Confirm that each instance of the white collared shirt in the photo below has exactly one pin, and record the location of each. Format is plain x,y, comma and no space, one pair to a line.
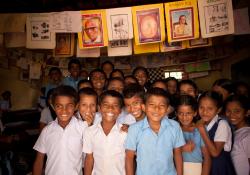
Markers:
108,150
223,132
63,147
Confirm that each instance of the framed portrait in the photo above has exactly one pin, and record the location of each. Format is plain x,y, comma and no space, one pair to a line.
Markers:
148,24
119,23
200,42
182,20
64,45
216,18
94,32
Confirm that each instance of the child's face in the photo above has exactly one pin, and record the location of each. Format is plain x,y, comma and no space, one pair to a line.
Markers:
185,114
110,109
235,113
186,89
98,80
160,85
116,85
64,107
87,105
55,76
141,76
135,106
129,80
156,108
207,109
221,91
74,70
84,85
172,87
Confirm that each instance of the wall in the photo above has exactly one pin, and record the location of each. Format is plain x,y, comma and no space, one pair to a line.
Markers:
23,96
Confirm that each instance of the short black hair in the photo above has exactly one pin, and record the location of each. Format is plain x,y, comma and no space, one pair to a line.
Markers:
214,96
117,70
189,82
242,100
97,70
82,82
74,61
187,100
111,93
87,91
225,84
131,76
115,79
140,68
156,92
107,62
134,90
54,69
64,90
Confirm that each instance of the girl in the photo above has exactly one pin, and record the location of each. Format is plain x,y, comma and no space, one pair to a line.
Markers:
236,109
217,135
194,150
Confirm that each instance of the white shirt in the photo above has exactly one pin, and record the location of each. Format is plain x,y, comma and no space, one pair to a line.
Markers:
46,116
123,118
241,151
223,132
63,147
108,150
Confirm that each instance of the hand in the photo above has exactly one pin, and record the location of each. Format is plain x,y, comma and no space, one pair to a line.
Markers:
124,127
189,146
88,117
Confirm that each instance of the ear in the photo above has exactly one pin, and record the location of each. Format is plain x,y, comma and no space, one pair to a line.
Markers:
143,107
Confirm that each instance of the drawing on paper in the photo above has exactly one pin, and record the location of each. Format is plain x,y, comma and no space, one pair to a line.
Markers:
119,26
40,31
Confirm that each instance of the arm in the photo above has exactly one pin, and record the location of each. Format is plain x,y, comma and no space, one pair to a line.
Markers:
129,162
178,160
188,147
88,164
41,126
38,164
206,164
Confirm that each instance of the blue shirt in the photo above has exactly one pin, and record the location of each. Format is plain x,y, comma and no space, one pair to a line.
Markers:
154,151
196,155
50,86
71,82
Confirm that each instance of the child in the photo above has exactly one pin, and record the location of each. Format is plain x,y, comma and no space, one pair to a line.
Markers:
116,84
236,111
155,140
134,101
55,76
74,68
107,67
117,73
61,140
130,79
172,84
194,152
160,84
83,84
104,141
142,75
224,87
217,135
87,105
188,87
98,80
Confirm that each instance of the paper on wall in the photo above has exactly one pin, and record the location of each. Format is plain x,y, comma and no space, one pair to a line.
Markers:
12,22
119,23
39,34
91,52
148,22
35,70
168,47
216,18
120,48
66,22
200,42
146,48
242,26
15,39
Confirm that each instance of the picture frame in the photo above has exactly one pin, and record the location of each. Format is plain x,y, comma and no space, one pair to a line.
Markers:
64,45
200,42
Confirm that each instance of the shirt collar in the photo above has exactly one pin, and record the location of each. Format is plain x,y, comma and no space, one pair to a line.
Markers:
116,127
72,120
164,123
213,121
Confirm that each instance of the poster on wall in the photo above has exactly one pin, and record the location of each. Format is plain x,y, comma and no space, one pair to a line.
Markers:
90,52
148,23
182,20
94,29
216,18
120,48
168,47
64,45
119,23
39,34
200,42
66,22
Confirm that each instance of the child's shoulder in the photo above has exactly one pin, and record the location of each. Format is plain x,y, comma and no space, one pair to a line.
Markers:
171,122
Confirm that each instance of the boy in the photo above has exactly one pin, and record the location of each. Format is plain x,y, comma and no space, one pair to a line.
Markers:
74,68
134,101
61,140
104,141
155,140
55,79
98,80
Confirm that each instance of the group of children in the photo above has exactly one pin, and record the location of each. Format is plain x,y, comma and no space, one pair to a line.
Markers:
121,126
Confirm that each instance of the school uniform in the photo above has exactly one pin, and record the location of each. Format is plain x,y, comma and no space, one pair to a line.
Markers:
154,151
63,147
70,81
241,151
220,131
108,150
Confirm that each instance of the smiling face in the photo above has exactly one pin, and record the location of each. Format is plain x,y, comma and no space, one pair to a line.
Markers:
141,76
185,114
110,109
135,106
116,85
236,114
187,89
98,80
87,105
156,108
64,107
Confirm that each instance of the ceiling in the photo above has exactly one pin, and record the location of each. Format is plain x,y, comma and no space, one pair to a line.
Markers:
34,6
